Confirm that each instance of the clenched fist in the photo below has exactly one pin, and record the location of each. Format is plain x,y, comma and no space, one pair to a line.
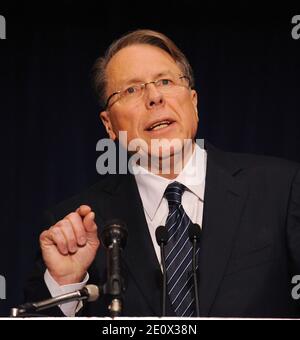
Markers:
70,246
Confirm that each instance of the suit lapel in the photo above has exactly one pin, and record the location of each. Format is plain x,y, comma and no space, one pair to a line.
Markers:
223,204
139,255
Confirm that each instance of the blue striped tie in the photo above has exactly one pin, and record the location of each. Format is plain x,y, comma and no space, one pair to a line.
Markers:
180,283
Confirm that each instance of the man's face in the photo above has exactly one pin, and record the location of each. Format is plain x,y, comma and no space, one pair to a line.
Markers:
140,64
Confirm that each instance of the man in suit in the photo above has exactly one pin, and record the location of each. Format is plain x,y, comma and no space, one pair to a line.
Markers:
248,207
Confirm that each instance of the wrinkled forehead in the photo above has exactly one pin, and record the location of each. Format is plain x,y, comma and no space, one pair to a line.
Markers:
139,63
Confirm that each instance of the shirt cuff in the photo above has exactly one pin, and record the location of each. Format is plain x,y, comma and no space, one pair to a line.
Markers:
70,308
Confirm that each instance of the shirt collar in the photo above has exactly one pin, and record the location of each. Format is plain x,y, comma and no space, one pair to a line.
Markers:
152,187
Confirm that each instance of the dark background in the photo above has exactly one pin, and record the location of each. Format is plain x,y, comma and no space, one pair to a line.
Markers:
247,76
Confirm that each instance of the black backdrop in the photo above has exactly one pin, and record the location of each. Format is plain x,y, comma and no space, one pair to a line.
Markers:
247,70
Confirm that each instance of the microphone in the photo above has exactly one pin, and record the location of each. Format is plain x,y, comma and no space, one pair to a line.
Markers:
114,237
195,237
162,237
89,293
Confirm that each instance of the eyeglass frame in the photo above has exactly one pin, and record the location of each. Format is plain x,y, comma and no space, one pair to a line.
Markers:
142,86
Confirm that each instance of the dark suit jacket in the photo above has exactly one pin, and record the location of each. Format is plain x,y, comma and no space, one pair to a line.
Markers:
250,246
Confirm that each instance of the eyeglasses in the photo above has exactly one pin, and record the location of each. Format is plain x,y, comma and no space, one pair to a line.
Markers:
132,93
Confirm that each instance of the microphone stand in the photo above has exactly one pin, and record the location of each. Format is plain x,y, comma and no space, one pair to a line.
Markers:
163,263
114,284
195,277
114,237
195,238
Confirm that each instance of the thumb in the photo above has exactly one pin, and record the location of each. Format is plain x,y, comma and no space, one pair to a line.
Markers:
90,227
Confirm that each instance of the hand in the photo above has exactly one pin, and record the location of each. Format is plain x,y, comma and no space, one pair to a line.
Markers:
70,246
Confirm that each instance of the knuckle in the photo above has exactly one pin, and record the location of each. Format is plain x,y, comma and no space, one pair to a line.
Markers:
72,215
59,224
44,234
65,223
55,232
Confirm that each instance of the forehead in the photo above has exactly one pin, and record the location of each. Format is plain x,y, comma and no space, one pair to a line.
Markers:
140,62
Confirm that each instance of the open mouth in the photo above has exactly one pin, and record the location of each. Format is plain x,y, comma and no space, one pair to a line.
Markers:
160,125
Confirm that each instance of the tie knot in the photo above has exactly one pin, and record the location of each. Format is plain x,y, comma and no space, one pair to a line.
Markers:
174,193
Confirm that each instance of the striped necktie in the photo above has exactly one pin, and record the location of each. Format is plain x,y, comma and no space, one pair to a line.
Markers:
180,285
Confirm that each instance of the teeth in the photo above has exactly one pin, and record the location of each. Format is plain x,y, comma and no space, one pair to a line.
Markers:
164,123
161,126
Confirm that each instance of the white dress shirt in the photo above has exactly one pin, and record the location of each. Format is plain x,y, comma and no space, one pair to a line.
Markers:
151,189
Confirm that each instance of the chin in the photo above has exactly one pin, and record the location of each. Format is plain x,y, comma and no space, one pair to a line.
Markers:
165,147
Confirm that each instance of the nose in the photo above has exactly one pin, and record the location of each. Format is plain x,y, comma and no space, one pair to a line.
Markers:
154,97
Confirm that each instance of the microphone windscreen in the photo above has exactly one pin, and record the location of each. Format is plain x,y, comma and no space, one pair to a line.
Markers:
195,232
93,292
162,235
114,230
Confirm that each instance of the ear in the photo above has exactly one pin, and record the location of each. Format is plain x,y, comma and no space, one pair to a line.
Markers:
104,116
195,101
